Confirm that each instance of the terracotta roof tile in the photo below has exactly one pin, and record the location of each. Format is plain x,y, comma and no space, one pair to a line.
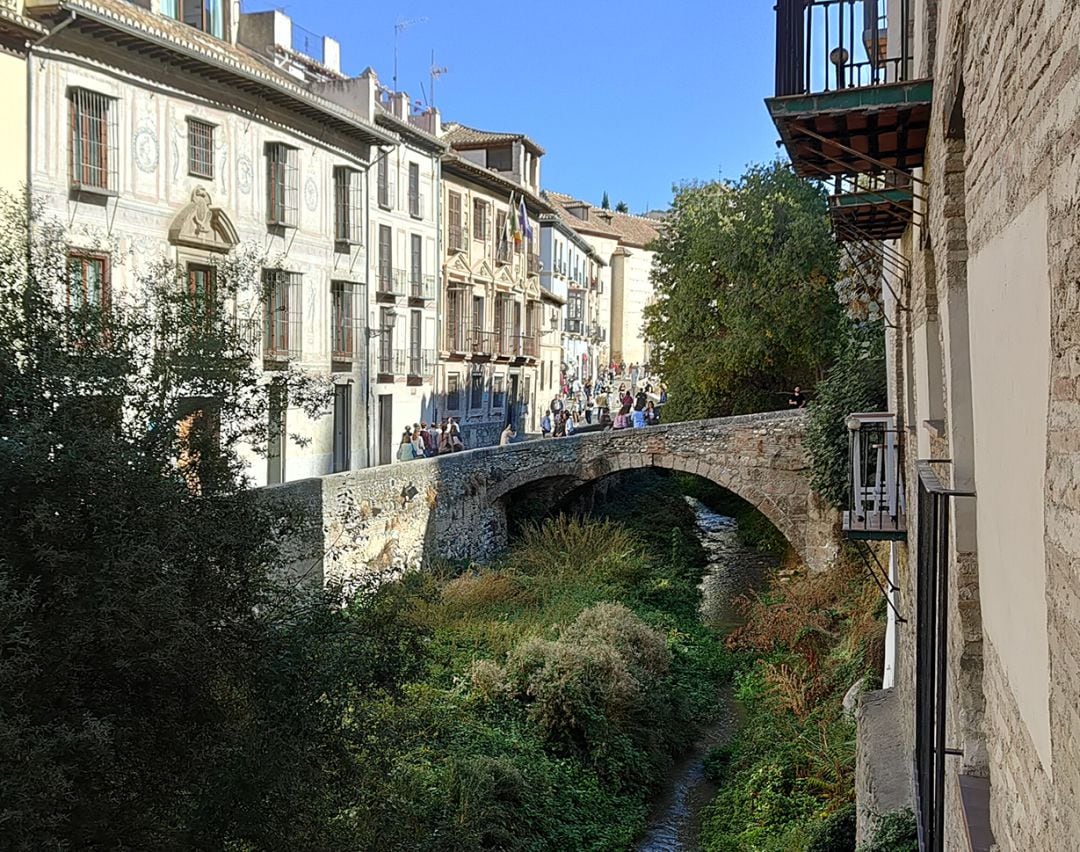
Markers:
460,136
626,228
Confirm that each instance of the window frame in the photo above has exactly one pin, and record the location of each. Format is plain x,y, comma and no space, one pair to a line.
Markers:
195,127
282,185
416,205
348,206
453,391
93,114
344,296
476,390
282,293
84,258
480,219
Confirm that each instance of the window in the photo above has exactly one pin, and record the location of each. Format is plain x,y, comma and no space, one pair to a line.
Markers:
478,313
200,146
386,341
348,206
202,293
501,159
502,240
455,317
476,391
275,433
416,261
205,15
282,185
498,395
383,181
88,281
281,318
479,219
94,134
455,237
415,205
343,307
453,392
386,259
415,359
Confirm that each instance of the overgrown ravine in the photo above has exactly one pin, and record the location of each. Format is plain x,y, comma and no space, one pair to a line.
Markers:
733,569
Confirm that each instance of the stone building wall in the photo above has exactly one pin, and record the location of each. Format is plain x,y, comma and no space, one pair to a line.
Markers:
1001,233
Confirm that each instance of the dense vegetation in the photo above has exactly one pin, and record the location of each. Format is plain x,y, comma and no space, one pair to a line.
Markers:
787,778
745,305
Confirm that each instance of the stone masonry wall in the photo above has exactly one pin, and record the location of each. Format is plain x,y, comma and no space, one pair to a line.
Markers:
453,507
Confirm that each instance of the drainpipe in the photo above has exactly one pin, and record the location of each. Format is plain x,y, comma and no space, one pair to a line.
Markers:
437,210
888,676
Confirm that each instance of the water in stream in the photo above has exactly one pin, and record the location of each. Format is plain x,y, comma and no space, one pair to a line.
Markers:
733,569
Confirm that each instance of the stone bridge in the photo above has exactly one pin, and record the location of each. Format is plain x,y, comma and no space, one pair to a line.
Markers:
454,506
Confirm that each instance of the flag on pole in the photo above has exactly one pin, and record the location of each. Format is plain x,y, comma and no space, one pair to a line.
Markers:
523,218
512,221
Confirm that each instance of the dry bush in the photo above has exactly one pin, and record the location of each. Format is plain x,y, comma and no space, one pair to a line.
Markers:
564,544
478,591
487,680
616,625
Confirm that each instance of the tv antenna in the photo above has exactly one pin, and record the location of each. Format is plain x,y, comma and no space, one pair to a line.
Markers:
400,27
436,73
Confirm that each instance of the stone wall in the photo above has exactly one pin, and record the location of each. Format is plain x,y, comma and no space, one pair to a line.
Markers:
454,507
1019,62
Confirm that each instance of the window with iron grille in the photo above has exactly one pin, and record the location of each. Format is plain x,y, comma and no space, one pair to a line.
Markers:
344,308
476,391
348,206
414,190
200,148
383,179
453,392
415,357
479,219
386,259
456,334
282,313
94,133
282,185
416,264
386,341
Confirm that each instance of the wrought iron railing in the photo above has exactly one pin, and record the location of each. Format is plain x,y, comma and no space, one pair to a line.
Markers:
455,237
875,476
392,362
534,263
422,287
931,655
530,346
572,326
825,45
421,362
482,342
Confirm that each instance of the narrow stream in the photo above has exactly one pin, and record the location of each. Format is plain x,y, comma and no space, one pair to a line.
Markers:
733,570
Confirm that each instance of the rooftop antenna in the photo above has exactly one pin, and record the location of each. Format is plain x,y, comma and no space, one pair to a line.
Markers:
400,27
436,73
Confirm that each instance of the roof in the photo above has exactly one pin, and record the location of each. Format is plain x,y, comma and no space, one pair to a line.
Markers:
460,136
628,229
385,118
559,217
215,59
454,164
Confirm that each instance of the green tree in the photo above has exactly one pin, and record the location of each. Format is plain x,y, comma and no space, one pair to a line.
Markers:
161,684
605,203
744,307
622,207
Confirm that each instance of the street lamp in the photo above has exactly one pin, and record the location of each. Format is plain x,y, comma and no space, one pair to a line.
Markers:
392,316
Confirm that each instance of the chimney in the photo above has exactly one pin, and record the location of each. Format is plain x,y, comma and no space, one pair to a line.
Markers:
429,120
358,94
261,31
331,53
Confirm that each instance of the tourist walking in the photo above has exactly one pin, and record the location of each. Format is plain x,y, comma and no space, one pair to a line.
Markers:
405,450
456,444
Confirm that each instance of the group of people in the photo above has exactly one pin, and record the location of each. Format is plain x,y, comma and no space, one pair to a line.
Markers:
582,403
423,440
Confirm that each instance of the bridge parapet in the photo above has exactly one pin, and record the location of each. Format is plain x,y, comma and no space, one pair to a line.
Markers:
453,506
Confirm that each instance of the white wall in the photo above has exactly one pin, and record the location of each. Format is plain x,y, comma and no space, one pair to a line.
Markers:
1009,298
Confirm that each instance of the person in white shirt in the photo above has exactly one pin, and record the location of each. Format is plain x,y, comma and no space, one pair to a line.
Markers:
508,434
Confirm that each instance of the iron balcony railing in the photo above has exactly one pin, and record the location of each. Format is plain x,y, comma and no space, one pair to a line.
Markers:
530,346
422,287
455,237
825,45
875,478
931,655
421,362
392,362
503,251
483,342
534,263
572,326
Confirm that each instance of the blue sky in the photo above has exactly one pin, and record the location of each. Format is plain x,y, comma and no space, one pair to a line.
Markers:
628,96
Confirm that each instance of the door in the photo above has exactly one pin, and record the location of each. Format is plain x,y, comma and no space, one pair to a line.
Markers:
275,450
386,428
342,426
513,402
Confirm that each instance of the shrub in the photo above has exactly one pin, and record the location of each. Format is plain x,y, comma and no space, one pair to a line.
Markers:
894,832
835,833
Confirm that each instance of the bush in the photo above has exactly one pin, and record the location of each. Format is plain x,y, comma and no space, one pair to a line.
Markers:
836,833
856,382
895,831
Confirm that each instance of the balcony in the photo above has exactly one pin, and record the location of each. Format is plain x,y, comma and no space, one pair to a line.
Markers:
482,344
507,344
390,282
416,205
391,363
421,365
422,288
529,346
845,102
534,263
503,252
871,208
573,326
876,507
